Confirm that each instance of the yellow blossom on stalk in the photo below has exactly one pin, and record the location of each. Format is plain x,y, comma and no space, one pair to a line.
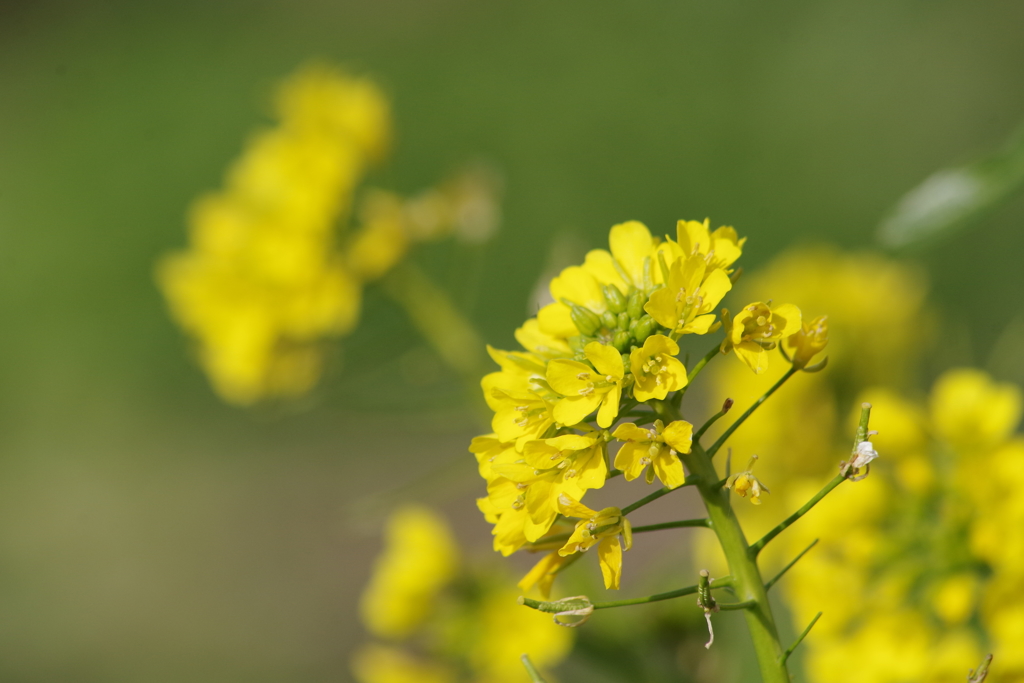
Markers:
686,304
569,463
720,248
744,483
656,370
420,558
586,389
657,447
602,528
756,330
804,344
542,575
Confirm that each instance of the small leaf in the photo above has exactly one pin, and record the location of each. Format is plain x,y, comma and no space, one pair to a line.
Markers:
953,198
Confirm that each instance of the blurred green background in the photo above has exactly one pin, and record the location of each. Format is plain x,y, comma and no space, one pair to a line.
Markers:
149,532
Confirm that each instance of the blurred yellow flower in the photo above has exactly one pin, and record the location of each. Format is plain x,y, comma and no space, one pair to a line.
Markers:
272,271
375,663
419,559
971,411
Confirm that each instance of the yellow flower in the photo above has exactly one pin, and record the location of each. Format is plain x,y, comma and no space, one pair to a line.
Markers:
602,528
744,483
686,303
720,248
971,411
375,663
808,341
569,463
756,329
419,559
585,388
542,575
504,630
656,370
657,447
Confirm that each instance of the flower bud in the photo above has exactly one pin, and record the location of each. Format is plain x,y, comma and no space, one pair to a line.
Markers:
609,320
622,341
635,308
616,301
584,320
645,328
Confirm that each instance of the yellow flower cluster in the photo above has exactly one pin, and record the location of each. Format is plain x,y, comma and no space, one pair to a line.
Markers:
920,571
271,271
900,570
594,361
442,622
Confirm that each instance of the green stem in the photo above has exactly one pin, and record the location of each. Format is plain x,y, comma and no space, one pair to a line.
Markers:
714,351
683,523
727,606
557,540
789,566
799,640
750,411
663,491
724,582
785,524
713,419
531,670
746,577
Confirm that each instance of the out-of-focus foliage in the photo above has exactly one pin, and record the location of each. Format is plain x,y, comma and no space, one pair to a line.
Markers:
444,619
955,197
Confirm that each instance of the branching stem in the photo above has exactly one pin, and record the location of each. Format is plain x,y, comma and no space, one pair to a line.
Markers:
799,640
786,523
724,582
789,566
750,411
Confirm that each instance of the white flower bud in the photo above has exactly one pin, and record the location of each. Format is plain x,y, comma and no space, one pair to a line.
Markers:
864,454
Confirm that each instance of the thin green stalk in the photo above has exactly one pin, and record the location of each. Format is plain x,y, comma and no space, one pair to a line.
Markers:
714,351
750,411
535,676
663,491
724,582
785,524
727,606
557,540
789,566
681,524
713,419
799,640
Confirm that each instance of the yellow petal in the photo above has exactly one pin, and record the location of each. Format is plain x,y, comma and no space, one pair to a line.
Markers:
606,359
574,409
628,460
713,289
569,377
753,355
669,469
600,264
609,554
679,435
556,319
609,406
787,320
630,244
570,507
579,287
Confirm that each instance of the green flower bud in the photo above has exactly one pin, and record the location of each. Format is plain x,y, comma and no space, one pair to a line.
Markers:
609,320
622,340
577,343
585,320
622,321
635,307
645,327
616,301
